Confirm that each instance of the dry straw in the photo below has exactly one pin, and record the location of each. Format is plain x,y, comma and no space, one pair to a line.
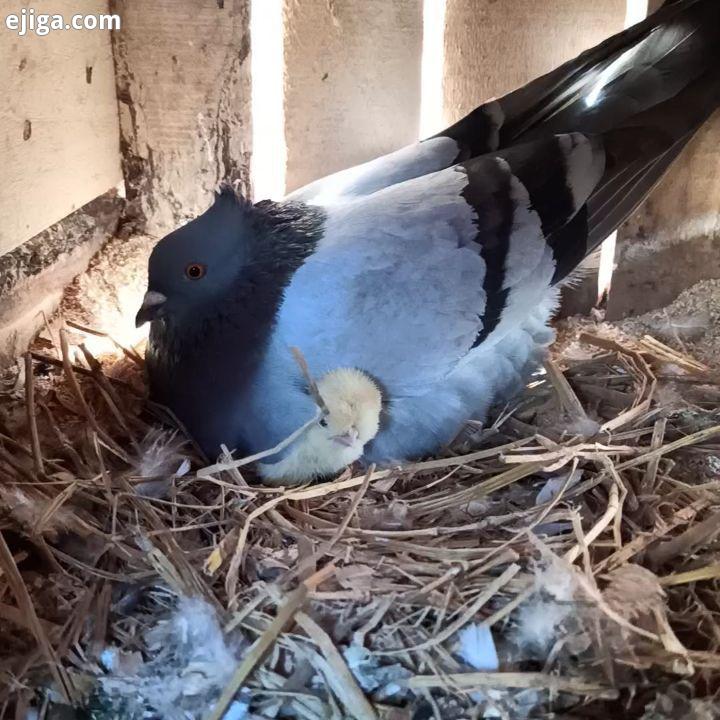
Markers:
393,560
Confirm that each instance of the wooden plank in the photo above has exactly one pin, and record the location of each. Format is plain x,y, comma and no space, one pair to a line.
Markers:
58,122
352,86
673,240
183,75
494,47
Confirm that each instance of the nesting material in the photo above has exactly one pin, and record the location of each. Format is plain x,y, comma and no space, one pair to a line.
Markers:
190,661
554,616
529,569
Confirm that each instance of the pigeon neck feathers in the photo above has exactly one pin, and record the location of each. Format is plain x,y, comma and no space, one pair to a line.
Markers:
273,240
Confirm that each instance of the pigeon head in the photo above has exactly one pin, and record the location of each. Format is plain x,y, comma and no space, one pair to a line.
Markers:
353,403
196,264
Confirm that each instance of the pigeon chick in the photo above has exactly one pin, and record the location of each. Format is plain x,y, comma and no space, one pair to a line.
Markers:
353,402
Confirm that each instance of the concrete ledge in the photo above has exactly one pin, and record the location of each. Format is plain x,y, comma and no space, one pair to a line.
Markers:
650,277
34,275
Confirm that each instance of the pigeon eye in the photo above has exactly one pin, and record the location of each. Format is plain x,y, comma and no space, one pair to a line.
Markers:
323,422
195,271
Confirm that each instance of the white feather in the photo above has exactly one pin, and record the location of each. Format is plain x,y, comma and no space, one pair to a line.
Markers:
477,648
162,456
190,662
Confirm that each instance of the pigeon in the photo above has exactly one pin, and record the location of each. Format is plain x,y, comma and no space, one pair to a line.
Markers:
353,403
435,269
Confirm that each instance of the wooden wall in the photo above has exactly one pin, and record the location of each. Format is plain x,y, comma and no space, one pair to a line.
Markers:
673,240
58,122
494,47
183,86
352,82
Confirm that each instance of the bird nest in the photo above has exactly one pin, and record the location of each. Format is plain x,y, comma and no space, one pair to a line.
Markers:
560,560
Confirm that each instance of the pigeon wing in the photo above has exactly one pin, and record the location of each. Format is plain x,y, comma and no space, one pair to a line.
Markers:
409,280
475,135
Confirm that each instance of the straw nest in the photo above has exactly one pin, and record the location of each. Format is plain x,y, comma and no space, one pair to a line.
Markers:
579,528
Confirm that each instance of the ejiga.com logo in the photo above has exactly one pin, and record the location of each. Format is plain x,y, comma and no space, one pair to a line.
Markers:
28,22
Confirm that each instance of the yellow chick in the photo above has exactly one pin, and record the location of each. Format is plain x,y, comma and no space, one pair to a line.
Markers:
353,403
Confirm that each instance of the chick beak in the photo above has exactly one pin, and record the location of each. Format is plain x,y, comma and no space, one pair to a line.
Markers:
151,306
348,439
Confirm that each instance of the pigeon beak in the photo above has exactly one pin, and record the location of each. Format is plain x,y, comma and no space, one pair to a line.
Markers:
150,309
348,439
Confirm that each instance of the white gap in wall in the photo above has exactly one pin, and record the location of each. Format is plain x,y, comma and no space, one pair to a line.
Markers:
635,11
267,67
432,67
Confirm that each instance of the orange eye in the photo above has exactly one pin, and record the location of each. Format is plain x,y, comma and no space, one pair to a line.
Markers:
195,271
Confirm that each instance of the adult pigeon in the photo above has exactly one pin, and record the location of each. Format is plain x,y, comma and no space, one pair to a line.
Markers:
434,269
